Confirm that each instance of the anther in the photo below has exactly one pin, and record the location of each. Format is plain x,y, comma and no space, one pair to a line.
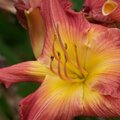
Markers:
59,55
52,58
51,64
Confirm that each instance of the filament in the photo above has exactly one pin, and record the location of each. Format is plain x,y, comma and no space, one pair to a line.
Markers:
61,43
51,64
65,70
53,47
59,66
77,60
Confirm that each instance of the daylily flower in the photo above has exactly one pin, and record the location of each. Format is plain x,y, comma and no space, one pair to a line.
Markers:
103,10
79,68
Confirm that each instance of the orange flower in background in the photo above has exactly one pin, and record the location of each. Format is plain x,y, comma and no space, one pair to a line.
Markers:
78,65
8,5
93,9
103,10
111,8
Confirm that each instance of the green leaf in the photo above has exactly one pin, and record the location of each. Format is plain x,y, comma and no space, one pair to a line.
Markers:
77,4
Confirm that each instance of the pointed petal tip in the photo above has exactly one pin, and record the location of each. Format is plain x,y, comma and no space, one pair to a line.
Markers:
22,72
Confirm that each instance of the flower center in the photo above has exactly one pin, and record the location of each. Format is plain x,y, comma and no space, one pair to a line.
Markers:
63,65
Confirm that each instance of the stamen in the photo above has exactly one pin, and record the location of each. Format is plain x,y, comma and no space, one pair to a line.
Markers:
53,47
51,64
65,69
61,43
59,66
77,60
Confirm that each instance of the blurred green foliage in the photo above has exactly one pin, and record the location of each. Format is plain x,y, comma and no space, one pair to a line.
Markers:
14,48
77,4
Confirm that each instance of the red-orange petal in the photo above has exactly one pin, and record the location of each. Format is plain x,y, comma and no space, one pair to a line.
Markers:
58,14
107,81
22,72
54,100
60,100
101,106
102,94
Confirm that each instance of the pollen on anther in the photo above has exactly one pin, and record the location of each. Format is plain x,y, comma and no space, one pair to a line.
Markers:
51,64
52,58
59,55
